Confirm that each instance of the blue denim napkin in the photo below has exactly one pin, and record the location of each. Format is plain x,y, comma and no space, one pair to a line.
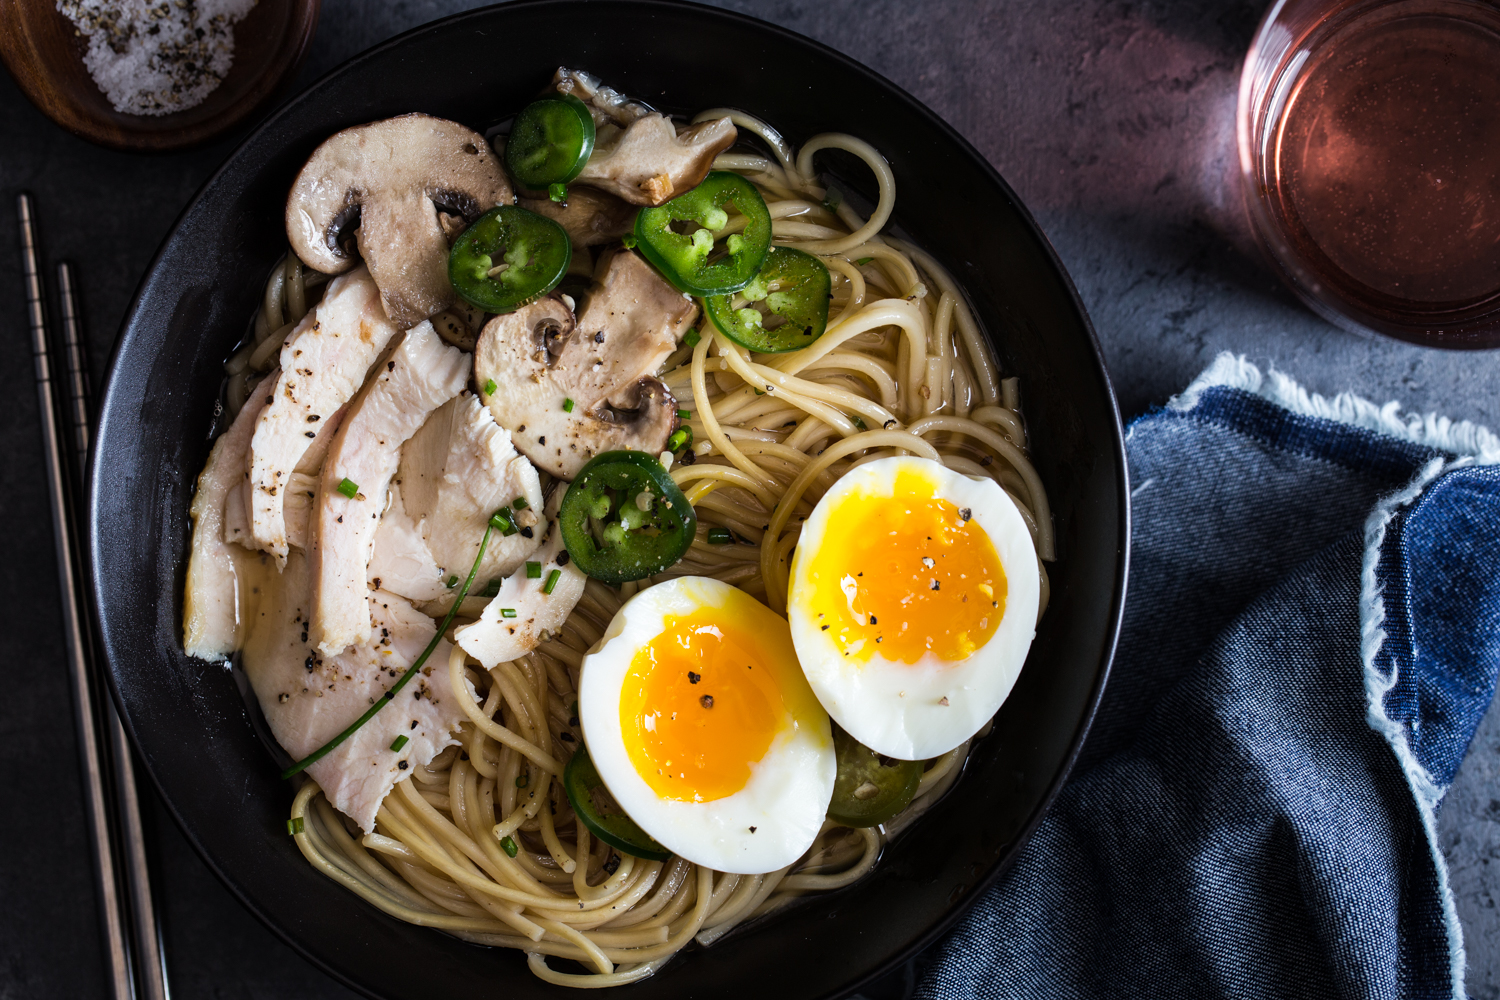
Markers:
1310,641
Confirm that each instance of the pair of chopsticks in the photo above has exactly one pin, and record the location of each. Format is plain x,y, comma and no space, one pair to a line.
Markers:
131,931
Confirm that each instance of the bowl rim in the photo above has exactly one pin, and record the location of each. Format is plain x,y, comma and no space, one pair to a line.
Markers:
1122,509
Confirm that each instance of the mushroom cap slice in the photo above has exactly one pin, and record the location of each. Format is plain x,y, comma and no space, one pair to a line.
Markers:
390,177
649,161
539,358
589,216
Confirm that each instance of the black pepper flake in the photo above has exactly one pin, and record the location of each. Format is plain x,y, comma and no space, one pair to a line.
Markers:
527,533
414,723
563,557
965,513
309,664
872,619
612,865
599,337
541,440
694,678
567,737
707,701
390,366
313,418
936,585
752,829
311,434
404,765
987,460
689,457
825,628
341,519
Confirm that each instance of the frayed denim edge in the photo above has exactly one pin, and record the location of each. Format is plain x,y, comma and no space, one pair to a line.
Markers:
1372,637
1459,438
1471,444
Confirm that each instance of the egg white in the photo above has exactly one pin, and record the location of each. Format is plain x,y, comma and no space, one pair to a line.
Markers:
787,795
892,707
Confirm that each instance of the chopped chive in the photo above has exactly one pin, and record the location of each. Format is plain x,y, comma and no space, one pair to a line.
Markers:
692,337
552,579
508,845
719,536
490,387
520,503
684,414
629,241
567,406
349,488
557,192
864,260
502,522
491,589
858,421
294,825
533,571
507,612
452,582
399,742
405,678
523,780
681,438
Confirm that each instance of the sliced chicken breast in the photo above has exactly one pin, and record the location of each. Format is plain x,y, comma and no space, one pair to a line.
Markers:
455,473
400,561
323,364
497,637
308,697
414,377
210,605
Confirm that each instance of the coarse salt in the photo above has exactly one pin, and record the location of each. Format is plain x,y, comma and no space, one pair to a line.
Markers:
159,57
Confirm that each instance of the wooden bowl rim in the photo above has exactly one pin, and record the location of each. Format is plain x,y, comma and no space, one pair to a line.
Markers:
141,133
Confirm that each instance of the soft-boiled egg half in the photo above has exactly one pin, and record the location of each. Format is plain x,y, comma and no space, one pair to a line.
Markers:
913,602
703,728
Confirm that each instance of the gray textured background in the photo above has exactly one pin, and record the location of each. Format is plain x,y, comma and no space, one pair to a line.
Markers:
1114,122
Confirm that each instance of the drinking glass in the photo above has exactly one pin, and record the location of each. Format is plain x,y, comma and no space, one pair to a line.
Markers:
1369,141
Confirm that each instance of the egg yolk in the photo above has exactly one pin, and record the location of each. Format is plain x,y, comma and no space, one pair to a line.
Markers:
699,705
905,575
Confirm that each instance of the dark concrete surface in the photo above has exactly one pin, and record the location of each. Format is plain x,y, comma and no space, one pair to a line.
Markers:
1112,119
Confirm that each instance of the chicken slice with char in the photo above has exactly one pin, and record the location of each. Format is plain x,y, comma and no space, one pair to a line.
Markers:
495,637
414,377
308,697
323,363
210,598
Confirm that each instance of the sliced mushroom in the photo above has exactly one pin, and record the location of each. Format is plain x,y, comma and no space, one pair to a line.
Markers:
605,103
651,162
589,216
390,179
639,154
568,390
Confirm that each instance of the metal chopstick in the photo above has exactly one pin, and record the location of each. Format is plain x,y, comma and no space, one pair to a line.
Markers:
112,912
149,967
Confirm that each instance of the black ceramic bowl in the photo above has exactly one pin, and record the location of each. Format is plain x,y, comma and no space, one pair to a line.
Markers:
187,716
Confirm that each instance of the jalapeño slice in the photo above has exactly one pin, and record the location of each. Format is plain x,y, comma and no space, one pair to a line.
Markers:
599,811
794,289
678,237
550,142
507,258
869,788
623,518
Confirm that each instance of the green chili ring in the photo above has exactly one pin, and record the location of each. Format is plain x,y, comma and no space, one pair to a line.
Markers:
550,142
609,534
598,811
869,788
694,261
795,288
508,258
